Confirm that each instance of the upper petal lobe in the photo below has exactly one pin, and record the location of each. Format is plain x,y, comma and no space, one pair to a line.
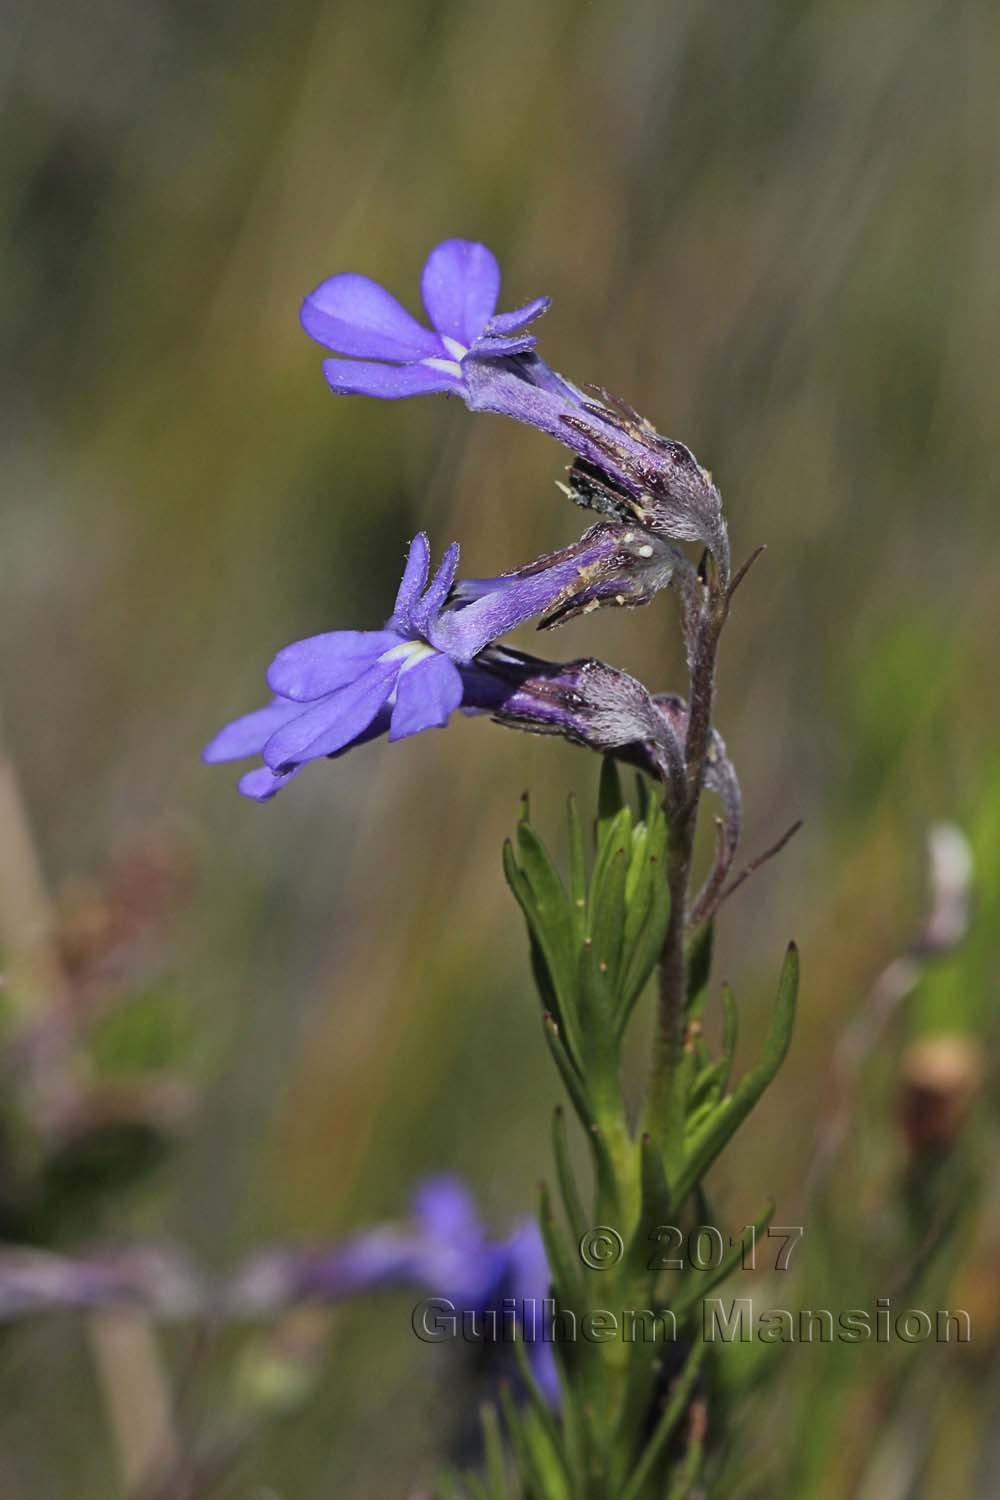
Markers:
460,285
429,606
414,580
505,324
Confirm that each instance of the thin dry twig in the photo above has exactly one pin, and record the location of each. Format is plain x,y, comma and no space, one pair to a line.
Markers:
761,859
743,570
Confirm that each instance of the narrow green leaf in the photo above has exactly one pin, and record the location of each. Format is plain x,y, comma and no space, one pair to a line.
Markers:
529,1470
540,1464
675,1120
572,1202
707,1087
659,831
646,949
779,1033
539,893
568,1071
697,1284
553,919
524,897
709,1140
697,1115
637,882
563,1267
699,968
730,1032
541,1431
496,1466
599,1049
614,834
647,914
448,1487
577,869
640,1390
676,1405
656,1208
607,902
606,1183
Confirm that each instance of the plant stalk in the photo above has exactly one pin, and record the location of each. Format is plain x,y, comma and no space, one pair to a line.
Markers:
669,1040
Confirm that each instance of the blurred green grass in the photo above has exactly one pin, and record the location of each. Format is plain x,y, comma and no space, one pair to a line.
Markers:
774,231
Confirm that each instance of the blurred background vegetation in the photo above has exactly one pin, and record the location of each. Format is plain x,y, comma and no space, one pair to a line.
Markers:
773,228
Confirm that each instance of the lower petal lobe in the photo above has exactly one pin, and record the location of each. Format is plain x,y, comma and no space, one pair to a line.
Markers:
262,783
333,722
249,735
426,697
360,377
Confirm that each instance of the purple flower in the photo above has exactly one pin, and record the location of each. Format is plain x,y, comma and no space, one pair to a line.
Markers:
588,703
612,563
345,687
454,1257
604,709
624,468
443,1250
391,354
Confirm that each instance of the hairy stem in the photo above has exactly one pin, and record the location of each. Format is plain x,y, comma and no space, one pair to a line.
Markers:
668,1045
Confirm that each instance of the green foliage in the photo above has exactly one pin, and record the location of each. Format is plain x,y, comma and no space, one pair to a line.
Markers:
707,1136
147,1031
131,1090
781,231
595,940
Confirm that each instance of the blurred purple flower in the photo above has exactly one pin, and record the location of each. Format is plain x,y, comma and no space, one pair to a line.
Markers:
625,468
345,687
444,1250
391,353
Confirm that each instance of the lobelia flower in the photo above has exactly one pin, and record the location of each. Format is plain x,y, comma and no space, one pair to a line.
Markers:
604,709
612,563
398,356
443,1250
624,468
588,703
346,687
